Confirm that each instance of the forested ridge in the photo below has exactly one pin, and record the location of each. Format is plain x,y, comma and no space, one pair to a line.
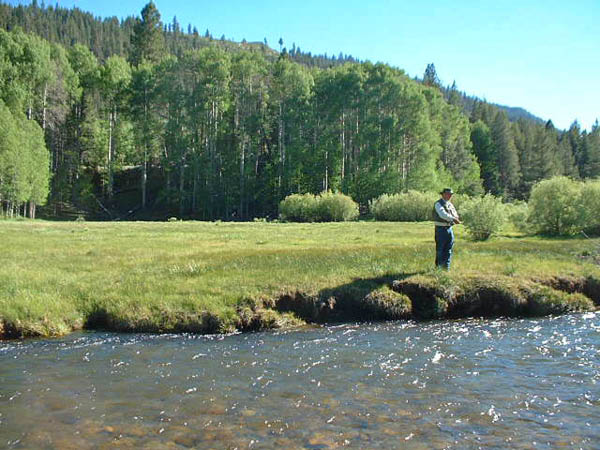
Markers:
138,119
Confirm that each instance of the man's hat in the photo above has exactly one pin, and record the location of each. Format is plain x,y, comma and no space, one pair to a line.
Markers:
447,191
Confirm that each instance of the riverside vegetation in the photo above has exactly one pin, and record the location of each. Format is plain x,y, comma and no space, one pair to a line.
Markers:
219,277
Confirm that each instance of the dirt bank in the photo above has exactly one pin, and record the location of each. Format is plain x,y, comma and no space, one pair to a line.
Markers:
414,297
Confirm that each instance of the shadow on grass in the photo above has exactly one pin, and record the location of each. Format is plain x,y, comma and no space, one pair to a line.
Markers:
359,300
430,295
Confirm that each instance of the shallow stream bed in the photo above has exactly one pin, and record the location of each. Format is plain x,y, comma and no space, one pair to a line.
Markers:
446,384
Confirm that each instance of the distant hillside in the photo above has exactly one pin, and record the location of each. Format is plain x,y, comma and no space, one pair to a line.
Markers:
467,103
109,36
515,113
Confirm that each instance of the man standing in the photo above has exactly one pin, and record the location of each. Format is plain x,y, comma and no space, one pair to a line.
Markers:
444,216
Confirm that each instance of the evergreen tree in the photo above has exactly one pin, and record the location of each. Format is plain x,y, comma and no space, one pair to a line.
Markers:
454,97
506,156
573,136
147,40
590,150
430,77
483,146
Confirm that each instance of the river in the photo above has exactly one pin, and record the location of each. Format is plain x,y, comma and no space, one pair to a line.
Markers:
531,383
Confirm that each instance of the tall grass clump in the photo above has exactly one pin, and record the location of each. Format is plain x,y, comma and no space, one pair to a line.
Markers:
411,206
555,207
483,216
325,207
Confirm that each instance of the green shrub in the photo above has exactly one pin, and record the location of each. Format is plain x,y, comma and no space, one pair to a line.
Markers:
411,206
336,207
517,213
298,208
590,207
382,207
459,200
554,206
326,207
483,216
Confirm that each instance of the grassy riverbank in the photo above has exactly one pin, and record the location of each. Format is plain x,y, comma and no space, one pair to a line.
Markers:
209,277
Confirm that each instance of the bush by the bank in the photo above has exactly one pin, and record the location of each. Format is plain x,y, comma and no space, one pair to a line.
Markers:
299,208
335,208
325,207
483,216
555,206
590,207
517,214
411,206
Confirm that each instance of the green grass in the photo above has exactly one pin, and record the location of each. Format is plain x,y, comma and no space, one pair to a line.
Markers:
198,276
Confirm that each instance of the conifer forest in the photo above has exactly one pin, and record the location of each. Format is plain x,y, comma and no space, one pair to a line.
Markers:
139,119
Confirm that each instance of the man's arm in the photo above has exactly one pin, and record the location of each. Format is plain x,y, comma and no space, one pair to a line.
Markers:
443,214
454,213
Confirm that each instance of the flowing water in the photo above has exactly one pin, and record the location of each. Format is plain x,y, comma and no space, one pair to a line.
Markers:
453,384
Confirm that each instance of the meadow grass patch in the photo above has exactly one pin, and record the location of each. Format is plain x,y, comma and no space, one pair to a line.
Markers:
196,276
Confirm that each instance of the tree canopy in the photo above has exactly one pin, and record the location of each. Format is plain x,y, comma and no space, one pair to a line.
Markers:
141,118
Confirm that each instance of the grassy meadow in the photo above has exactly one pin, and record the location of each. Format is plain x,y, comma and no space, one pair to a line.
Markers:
56,277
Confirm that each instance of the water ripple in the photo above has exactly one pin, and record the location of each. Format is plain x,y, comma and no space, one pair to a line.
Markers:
453,384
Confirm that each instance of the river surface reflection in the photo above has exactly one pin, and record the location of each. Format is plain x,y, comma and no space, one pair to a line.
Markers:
453,384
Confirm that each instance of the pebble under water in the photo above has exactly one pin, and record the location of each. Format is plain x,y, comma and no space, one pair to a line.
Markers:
530,383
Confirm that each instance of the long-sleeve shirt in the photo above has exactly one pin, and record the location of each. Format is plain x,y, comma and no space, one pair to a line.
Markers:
446,212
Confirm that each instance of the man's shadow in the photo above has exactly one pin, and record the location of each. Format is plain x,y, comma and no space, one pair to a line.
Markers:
362,299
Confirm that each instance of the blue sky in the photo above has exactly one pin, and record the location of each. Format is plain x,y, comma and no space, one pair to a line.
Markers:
542,55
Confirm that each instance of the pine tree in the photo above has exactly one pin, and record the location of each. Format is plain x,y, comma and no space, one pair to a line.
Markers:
590,144
573,136
483,147
147,40
430,77
506,156
454,97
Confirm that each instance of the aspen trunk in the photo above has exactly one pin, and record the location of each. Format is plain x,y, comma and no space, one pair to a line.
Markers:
195,189
343,142
281,148
44,101
144,177
110,153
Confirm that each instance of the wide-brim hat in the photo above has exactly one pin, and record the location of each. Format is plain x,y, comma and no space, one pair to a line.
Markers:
447,191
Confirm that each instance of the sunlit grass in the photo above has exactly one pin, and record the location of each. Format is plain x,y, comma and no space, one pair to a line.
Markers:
54,275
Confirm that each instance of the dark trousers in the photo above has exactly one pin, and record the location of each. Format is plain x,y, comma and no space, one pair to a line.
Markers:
444,241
